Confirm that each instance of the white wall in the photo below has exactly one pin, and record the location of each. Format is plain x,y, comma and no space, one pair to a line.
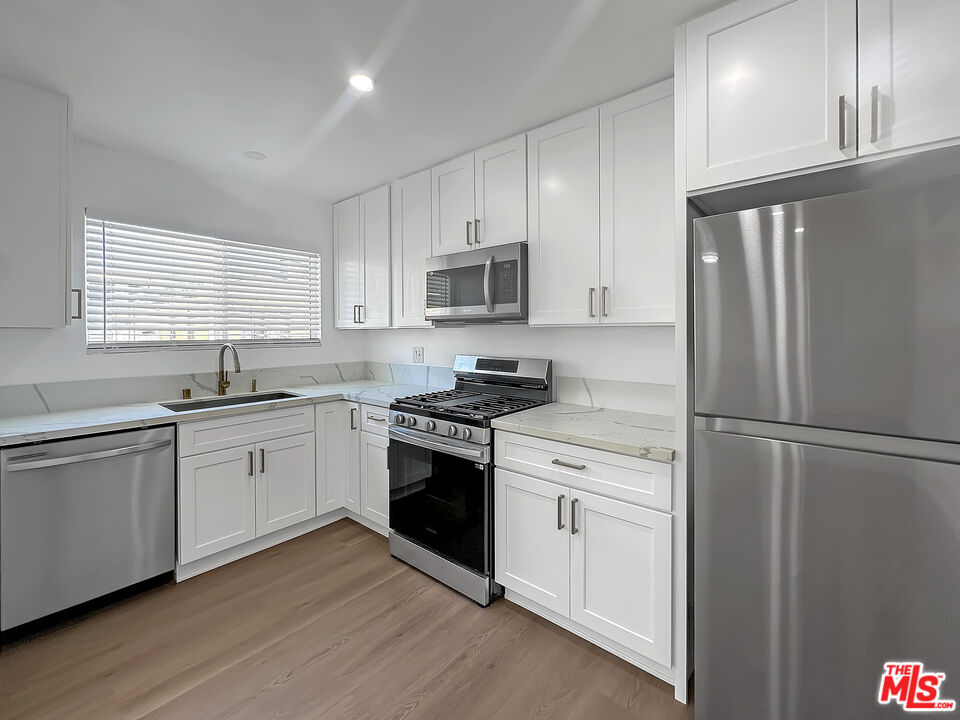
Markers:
632,354
143,189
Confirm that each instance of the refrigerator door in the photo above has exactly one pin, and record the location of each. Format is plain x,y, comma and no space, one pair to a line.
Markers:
814,566
838,312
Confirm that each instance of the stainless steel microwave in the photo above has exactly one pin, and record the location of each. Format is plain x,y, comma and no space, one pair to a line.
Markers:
484,285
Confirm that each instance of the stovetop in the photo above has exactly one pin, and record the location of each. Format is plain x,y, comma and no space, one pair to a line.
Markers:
465,404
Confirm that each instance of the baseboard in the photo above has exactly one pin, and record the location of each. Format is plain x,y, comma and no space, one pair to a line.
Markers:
369,524
225,557
656,669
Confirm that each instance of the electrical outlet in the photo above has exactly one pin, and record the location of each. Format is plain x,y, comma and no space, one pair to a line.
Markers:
418,354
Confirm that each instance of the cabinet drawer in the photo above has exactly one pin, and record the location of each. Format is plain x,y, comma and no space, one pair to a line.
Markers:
235,430
618,476
374,419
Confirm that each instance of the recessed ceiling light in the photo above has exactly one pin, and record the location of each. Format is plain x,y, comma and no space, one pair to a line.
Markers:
254,155
363,83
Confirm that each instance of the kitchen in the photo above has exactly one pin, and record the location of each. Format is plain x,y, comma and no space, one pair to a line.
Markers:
344,373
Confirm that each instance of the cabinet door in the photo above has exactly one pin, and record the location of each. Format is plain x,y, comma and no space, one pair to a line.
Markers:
532,542
909,65
374,479
349,446
286,482
625,596
33,206
453,206
217,502
348,259
410,230
501,192
563,194
331,456
636,204
769,86
375,231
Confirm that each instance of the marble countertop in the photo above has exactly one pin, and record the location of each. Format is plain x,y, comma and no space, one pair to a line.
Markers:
628,433
73,423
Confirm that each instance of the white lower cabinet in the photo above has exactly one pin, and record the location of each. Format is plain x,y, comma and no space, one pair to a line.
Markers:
374,479
217,502
620,573
603,565
532,542
286,482
351,451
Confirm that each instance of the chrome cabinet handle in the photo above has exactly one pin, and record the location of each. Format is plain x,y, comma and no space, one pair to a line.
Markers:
468,233
603,301
476,231
355,314
874,113
353,418
487,289
79,315
843,122
250,460
573,516
560,525
590,294
360,314
263,461
377,418
572,466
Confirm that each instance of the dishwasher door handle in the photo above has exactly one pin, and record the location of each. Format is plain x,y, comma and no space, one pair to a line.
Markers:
70,459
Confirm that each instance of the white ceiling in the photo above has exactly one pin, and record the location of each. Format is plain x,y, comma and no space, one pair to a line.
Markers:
201,81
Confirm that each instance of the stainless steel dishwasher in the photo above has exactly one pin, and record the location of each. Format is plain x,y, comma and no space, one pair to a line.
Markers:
84,517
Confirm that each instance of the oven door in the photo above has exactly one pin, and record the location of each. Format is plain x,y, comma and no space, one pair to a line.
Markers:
441,496
478,285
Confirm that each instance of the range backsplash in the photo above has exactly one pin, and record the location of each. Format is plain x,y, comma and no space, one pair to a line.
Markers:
39,398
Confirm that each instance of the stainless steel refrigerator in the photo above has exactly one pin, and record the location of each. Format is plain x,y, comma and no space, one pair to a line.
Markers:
827,451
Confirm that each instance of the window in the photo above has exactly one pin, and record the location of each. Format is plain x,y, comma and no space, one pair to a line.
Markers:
150,288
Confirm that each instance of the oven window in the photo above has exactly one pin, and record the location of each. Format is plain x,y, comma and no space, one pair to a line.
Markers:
442,502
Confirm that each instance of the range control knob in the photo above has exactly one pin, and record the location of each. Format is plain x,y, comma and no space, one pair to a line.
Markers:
431,425
411,421
467,433
399,419
452,431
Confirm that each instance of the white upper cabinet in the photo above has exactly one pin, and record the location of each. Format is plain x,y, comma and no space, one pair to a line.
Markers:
361,248
375,233
479,199
563,197
909,69
636,207
411,232
501,192
348,255
771,88
34,257
453,205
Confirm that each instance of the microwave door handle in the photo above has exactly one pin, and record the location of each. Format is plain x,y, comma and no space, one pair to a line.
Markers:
487,289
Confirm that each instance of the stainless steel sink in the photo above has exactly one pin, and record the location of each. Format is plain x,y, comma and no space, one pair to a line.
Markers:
227,400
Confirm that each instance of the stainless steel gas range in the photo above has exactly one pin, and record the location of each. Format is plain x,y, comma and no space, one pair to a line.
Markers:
441,469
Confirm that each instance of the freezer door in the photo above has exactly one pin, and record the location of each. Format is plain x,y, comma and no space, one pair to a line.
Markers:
814,566
838,312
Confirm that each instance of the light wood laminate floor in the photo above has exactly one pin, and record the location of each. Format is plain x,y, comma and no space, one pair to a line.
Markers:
325,626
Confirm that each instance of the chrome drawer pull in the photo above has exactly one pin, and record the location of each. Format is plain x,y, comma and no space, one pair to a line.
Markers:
572,466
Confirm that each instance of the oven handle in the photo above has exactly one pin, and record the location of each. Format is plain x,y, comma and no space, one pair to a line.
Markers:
487,290
476,453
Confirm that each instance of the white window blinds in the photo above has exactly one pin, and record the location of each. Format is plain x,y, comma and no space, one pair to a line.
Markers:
155,288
